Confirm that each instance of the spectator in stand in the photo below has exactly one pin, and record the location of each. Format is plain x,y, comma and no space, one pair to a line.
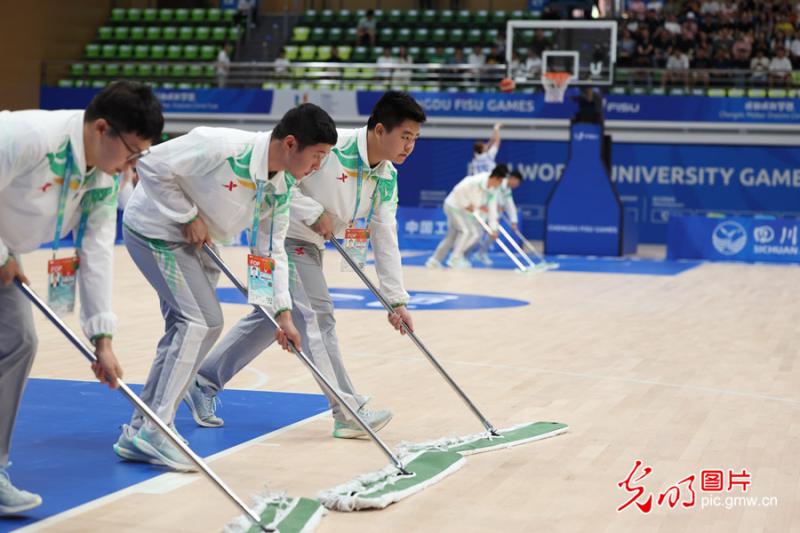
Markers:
533,65
402,76
281,64
700,64
780,69
477,60
710,7
366,30
759,68
223,64
677,69
460,75
794,50
626,49
386,60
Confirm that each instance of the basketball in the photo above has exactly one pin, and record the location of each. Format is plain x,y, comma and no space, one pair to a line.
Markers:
507,85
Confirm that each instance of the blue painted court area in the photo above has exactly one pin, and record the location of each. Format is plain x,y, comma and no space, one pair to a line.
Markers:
421,301
604,265
61,447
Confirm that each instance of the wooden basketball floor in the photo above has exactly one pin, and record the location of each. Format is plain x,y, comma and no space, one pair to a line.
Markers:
686,373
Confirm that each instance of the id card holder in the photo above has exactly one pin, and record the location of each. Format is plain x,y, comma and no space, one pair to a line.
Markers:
62,276
259,280
356,243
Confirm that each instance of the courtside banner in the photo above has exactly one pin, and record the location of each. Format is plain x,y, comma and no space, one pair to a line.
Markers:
172,100
750,239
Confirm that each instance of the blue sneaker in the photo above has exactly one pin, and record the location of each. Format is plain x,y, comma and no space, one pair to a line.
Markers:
13,500
350,429
203,406
125,449
161,451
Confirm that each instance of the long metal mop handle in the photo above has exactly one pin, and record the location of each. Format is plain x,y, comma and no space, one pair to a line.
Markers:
516,246
139,404
500,243
489,427
526,243
311,366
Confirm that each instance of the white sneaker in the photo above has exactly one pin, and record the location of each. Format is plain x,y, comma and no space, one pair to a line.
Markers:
156,446
459,263
203,406
483,259
13,500
350,429
432,263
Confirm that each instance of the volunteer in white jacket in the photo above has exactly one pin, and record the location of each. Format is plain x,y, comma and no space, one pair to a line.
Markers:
463,231
208,186
484,154
56,172
355,189
505,204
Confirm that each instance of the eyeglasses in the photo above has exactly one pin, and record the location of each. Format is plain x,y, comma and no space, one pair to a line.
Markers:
135,155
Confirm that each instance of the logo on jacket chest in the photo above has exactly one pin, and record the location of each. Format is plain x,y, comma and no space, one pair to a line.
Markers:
231,185
343,177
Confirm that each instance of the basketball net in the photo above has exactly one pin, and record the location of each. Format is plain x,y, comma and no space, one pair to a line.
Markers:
555,86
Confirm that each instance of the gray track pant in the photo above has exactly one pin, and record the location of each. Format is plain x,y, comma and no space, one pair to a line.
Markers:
17,348
463,231
312,314
185,279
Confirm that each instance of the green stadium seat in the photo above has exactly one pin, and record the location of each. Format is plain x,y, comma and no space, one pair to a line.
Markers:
300,34
182,16
228,16
168,85
318,35
158,52
326,16
198,15
141,52
105,33
111,70
144,70
360,54
733,92
134,14
526,37
298,72
411,17
108,51
154,33
219,34
350,34
234,32
439,35
66,83
456,36
186,33
474,36
185,85
174,52
128,70
214,16
323,52
77,69
344,17
490,36
777,93
95,69
208,52
195,71
169,33
291,52
308,52
98,84
618,90
344,52
202,34
138,33
310,16
177,71
429,17
445,17
678,91
160,71
395,16
117,15
191,52
386,35
403,36
464,17
498,18
166,15
335,35
125,51
150,15
517,14
368,73
421,35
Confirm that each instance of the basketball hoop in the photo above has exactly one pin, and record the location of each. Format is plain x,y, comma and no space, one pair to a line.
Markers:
555,86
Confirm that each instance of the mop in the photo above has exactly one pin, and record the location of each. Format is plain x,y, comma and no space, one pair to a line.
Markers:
491,438
404,477
251,516
543,264
501,244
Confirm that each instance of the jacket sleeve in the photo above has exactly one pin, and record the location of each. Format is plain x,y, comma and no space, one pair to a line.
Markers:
383,235
305,208
161,171
511,207
282,301
96,254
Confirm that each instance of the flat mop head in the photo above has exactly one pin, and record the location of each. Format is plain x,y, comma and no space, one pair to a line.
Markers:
281,513
384,487
484,442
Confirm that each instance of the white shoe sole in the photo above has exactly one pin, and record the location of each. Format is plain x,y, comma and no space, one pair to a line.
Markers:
199,421
6,510
357,433
133,455
148,449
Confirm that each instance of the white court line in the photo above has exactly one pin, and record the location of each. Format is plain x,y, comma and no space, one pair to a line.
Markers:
261,378
585,375
154,485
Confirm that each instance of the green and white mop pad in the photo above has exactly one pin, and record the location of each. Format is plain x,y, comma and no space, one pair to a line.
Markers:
282,513
485,441
384,487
